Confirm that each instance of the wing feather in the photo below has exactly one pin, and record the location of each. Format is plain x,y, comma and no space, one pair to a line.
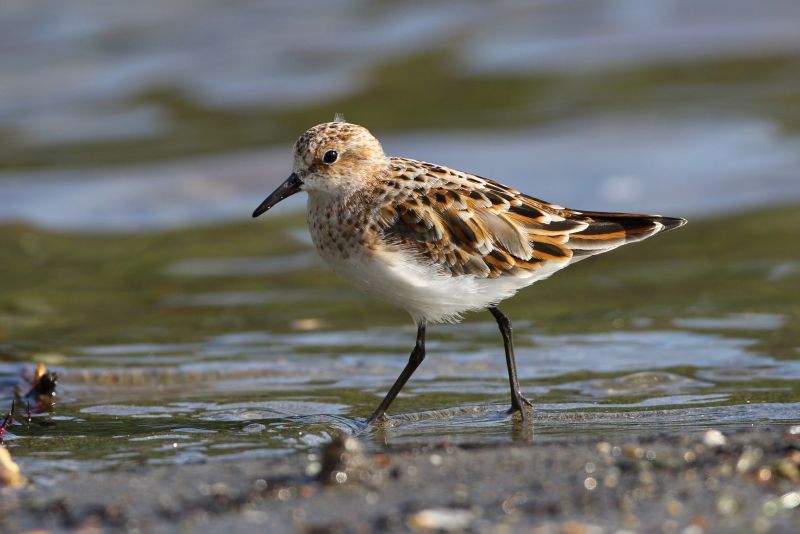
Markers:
467,224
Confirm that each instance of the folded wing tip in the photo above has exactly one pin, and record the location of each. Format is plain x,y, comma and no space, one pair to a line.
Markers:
671,223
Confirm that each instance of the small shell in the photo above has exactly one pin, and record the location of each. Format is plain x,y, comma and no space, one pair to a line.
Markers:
10,476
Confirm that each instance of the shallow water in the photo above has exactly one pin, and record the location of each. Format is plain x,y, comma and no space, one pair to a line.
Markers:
232,340
189,355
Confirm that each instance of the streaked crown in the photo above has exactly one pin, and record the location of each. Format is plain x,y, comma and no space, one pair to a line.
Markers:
337,155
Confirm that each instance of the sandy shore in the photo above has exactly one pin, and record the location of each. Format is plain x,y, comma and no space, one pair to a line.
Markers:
743,481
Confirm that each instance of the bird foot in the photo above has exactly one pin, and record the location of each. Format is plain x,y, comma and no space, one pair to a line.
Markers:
377,419
518,405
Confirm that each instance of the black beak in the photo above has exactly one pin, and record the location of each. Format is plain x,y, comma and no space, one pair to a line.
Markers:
285,190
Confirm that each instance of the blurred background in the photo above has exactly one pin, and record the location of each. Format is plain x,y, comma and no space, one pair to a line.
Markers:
141,116
136,138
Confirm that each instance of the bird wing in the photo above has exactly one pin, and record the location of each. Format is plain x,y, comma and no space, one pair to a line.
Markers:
467,224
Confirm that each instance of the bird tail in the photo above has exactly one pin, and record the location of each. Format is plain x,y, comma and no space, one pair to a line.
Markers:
607,231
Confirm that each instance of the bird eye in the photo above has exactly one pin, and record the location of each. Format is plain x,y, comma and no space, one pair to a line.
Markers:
330,157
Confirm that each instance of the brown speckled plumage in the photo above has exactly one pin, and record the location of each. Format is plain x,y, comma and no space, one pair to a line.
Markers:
473,225
434,240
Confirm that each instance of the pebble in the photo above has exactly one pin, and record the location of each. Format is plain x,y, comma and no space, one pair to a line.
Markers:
714,438
790,500
440,519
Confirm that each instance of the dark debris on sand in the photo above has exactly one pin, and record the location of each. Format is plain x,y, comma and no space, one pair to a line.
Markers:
745,481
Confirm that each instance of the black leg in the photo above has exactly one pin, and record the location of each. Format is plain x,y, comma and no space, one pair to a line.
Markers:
517,399
417,355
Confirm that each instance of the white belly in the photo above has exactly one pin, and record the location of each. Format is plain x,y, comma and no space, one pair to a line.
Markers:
422,290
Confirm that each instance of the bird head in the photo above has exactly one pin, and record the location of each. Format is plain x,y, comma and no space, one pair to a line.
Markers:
334,158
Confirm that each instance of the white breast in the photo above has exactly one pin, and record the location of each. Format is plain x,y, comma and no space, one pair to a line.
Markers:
401,278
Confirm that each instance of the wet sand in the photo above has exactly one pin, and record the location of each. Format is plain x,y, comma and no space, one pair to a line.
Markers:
741,481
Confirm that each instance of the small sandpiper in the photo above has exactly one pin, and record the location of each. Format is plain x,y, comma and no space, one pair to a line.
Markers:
436,241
